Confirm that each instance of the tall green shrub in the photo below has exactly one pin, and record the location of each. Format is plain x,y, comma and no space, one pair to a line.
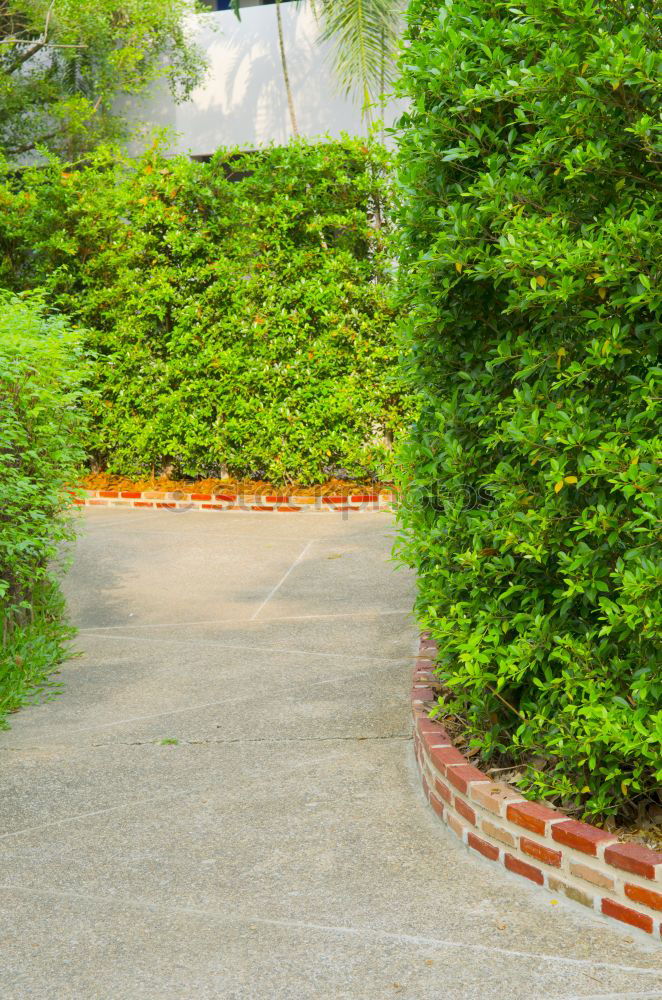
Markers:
40,424
238,309
530,172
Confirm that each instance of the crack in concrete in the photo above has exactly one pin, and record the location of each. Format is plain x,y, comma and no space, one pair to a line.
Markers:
264,739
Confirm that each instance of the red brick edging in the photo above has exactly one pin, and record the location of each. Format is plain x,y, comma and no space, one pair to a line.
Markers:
177,500
620,880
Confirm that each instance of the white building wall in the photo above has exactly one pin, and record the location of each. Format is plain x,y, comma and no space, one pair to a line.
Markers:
243,101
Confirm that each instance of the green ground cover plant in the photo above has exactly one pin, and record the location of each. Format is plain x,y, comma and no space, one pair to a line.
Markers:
238,309
41,367
530,253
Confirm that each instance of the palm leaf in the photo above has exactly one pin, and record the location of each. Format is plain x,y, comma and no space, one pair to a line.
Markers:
365,35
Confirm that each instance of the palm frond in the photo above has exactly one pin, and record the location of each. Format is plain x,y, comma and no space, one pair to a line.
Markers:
364,34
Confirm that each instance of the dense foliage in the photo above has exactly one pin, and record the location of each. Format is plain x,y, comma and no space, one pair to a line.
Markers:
63,64
40,373
237,309
530,169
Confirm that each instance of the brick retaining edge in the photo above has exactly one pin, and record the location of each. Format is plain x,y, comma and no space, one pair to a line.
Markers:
620,880
177,500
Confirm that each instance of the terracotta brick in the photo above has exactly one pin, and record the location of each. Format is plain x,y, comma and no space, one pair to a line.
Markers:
154,495
305,500
112,494
130,495
288,509
260,507
456,826
514,864
591,875
496,796
480,845
200,496
79,503
443,790
276,499
540,852
426,725
497,832
426,787
166,506
641,894
213,506
463,776
581,836
345,507
97,503
365,498
332,500
636,859
579,896
419,694
440,739
445,757
227,497
613,909
437,805
465,810
532,816
142,503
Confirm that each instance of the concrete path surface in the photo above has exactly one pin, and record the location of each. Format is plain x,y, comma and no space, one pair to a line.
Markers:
222,802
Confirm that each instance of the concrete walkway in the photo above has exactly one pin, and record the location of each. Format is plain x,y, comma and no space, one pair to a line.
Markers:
280,848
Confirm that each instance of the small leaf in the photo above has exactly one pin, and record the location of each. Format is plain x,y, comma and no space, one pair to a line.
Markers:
541,281
558,486
458,267
602,292
570,479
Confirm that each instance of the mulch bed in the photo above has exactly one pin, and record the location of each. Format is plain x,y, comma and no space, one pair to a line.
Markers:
333,487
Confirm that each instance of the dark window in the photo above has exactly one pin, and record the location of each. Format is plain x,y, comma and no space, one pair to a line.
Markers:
227,4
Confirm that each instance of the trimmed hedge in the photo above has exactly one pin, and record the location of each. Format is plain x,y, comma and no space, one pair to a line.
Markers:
40,428
238,309
530,251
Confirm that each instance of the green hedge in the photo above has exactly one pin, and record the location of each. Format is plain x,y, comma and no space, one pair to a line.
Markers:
40,429
238,309
530,169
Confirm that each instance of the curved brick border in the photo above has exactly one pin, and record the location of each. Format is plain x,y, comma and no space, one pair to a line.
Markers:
177,500
620,880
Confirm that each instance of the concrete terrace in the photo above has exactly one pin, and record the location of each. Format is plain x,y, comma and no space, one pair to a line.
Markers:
222,803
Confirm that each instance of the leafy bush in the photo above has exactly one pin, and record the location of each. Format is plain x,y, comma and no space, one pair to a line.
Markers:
238,308
529,164
40,372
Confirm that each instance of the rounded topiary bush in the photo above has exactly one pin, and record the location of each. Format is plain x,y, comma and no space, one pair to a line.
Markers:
530,247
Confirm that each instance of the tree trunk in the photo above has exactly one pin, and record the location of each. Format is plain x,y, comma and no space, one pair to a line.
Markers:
286,75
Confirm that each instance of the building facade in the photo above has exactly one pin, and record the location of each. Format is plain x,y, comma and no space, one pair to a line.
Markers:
243,100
